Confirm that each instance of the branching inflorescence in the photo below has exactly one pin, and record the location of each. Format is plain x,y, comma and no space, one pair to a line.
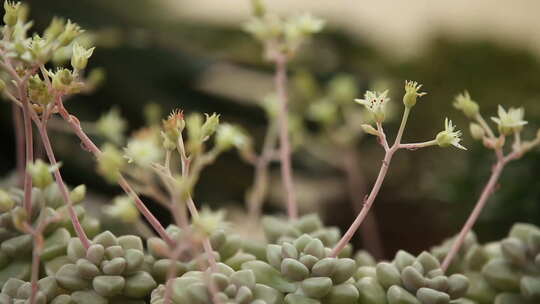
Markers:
198,259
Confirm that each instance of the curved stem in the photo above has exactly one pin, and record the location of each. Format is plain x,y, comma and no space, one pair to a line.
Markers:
90,146
378,183
20,144
42,128
371,237
258,191
414,146
489,188
29,151
399,135
484,125
367,206
280,80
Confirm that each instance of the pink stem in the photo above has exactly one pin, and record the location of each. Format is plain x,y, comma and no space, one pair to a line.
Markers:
284,140
19,138
259,189
36,257
371,236
367,205
486,193
42,128
29,149
88,144
378,183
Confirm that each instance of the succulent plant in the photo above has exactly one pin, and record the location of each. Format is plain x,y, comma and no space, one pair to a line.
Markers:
233,287
409,280
278,230
514,268
227,248
112,268
16,246
303,272
17,291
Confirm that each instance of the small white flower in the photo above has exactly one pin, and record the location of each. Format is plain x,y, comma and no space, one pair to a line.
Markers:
375,103
144,152
449,137
511,121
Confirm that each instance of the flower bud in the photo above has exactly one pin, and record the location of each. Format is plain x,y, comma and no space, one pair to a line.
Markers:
477,132
38,91
62,80
79,58
41,174
464,103
11,12
412,89
369,129
172,128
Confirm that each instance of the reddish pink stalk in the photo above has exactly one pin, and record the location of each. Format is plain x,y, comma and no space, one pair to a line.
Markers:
42,128
367,205
36,257
371,237
89,144
378,183
20,145
29,144
488,190
284,140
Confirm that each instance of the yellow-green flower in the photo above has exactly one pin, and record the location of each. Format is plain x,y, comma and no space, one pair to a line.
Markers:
449,137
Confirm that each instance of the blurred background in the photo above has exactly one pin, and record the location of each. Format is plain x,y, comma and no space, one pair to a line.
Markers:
194,55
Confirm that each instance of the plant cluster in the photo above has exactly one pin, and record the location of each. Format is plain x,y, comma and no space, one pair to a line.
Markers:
51,251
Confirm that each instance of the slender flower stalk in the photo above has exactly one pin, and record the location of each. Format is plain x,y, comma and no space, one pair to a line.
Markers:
92,148
19,141
371,236
509,123
378,183
375,104
42,128
29,144
280,80
488,190
258,191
